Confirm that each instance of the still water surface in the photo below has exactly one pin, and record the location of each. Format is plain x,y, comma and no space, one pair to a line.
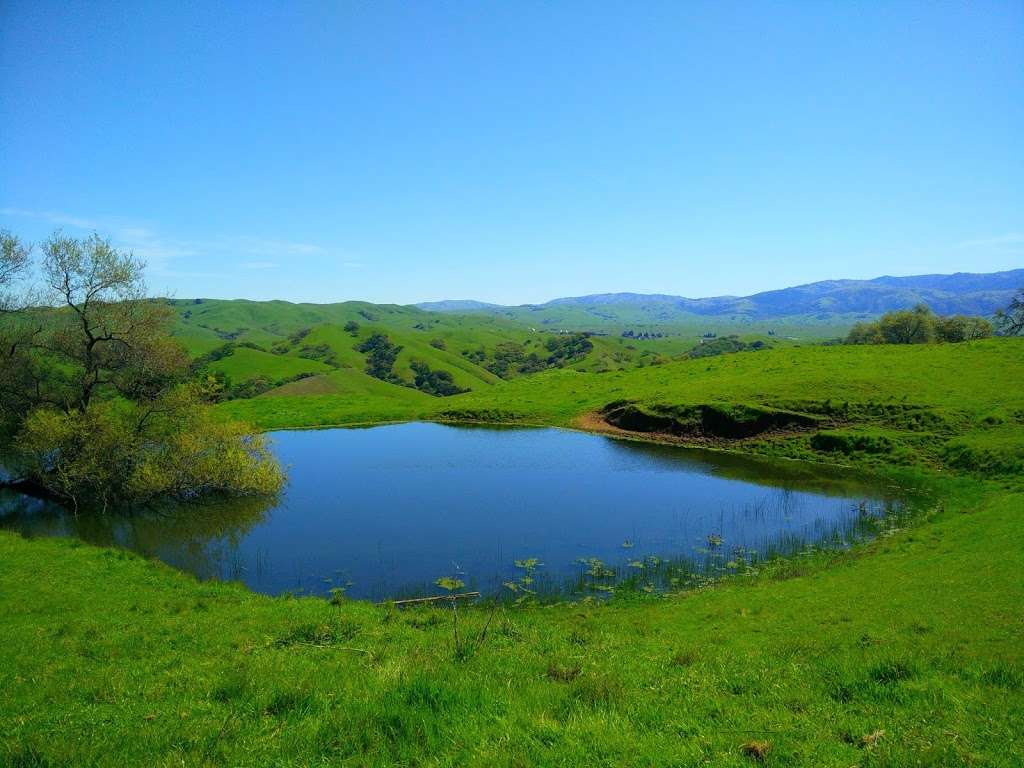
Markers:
385,511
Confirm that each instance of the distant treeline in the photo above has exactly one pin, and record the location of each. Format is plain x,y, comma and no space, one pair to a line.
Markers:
920,326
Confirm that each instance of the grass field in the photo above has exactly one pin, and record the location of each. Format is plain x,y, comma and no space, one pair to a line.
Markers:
908,650
247,363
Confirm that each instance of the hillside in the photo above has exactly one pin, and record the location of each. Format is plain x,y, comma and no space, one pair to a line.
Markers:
902,651
941,406
277,341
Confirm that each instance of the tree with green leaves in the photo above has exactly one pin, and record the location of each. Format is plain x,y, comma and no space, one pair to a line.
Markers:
438,383
381,355
95,393
919,326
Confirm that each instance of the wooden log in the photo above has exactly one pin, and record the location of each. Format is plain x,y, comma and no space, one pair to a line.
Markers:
420,600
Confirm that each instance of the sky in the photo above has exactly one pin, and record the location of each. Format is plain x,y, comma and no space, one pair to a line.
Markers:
515,152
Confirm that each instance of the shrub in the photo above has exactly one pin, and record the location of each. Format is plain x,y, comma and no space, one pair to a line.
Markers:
919,326
113,453
438,383
380,357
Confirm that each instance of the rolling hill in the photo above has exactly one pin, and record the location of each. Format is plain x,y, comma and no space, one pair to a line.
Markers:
303,350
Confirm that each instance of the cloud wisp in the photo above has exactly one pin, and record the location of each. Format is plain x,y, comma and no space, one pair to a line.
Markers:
1011,240
164,256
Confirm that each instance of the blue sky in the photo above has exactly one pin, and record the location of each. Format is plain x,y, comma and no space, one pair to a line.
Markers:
517,151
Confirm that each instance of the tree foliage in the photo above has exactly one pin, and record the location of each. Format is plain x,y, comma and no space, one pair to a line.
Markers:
438,383
97,393
1011,320
919,326
381,354
568,348
14,260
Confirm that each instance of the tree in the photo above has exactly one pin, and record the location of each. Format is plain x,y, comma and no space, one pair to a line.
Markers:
14,260
351,328
568,349
865,333
957,328
96,391
380,357
438,383
919,326
914,326
1010,321
95,330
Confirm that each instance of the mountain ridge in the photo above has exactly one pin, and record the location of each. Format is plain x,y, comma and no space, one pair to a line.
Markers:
959,292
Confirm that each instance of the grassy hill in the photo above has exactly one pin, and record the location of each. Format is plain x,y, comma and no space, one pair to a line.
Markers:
278,341
942,406
210,323
245,363
904,651
294,339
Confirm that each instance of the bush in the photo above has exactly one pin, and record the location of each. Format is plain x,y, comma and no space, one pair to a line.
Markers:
962,328
380,357
919,326
92,384
847,442
113,453
439,383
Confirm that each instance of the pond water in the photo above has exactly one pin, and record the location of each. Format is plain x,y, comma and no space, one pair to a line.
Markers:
385,511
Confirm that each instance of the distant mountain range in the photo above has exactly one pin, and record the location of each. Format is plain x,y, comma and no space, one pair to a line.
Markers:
960,293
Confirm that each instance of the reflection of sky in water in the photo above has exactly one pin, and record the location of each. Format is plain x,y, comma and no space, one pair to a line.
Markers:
395,507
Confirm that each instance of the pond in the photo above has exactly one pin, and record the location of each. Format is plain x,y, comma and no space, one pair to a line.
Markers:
383,512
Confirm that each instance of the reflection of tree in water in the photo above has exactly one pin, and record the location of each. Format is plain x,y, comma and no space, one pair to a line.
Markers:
200,537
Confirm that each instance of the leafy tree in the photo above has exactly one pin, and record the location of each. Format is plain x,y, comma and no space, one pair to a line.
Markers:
1011,320
14,261
865,333
95,332
439,383
957,328
508,356
919,326
100,456
381,354
96,392
914,326
351,328
722,346
568,348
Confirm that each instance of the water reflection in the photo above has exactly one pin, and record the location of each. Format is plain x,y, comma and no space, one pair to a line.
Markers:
390,509
204,539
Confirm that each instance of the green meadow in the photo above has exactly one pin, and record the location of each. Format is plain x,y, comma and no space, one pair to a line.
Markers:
905,650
